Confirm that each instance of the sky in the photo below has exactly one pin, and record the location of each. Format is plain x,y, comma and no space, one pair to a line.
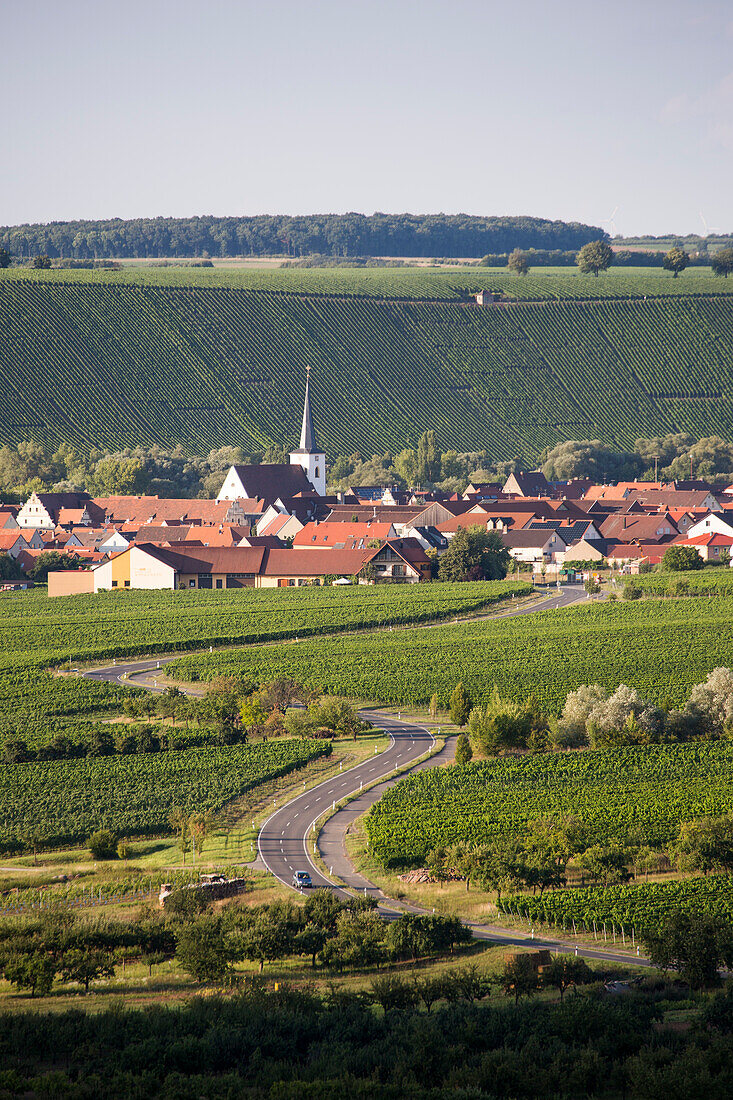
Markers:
612,112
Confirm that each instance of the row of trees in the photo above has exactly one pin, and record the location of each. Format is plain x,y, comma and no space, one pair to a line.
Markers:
597,256
541,857
353,234
592,716
29,467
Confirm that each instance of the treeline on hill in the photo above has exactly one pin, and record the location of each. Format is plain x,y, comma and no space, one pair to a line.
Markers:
332,234
30,467
623,257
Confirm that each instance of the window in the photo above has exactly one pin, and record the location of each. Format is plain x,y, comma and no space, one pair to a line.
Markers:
219,583
114,584
317,472
192,584
127,584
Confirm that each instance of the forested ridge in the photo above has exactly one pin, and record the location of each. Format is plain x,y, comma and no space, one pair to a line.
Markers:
282,234
95,362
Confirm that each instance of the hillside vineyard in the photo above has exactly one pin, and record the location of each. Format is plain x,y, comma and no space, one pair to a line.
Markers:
105,365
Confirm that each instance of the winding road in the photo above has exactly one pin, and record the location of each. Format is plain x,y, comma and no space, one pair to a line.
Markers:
284,842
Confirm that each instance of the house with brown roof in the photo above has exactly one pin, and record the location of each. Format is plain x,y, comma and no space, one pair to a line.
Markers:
15,542
639,528
709,546
8,513
532,484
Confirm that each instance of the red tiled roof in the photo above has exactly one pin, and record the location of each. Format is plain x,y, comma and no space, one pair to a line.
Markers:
341,535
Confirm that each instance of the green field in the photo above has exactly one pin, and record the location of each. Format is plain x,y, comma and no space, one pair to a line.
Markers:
612,790
64,801
208,359
40,634
661,648
644,905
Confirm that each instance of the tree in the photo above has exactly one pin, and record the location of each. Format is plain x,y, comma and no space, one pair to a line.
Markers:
565,971
434,706
202,951
41,262
682,559
428,459
676,260
5,258
103,844
86,965
200,826
52,560
592,586
180,822
33,970
705,845
9,569
722,262
695,946
519,977
252,713
518,262
464,752
474,554
460,705
393,992
607,865
594,257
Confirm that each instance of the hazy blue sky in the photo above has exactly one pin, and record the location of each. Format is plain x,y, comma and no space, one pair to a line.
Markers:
563,109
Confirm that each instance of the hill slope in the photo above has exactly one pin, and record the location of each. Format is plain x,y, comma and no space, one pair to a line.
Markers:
109,363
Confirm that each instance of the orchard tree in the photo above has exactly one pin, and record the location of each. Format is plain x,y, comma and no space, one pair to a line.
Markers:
565,971
676,260
706,844
594,257
695,946
518,262
520,978
722,262
202,950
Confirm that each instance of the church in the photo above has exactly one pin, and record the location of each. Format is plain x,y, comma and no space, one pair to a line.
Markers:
305,476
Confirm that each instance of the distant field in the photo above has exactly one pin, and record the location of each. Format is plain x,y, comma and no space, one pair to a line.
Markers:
661,648
454,283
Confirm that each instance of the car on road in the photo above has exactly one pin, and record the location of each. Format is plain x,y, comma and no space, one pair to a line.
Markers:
301,880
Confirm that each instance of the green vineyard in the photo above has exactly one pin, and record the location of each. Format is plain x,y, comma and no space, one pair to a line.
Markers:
128,358
40,633
643,905
64,801
654,787
661,648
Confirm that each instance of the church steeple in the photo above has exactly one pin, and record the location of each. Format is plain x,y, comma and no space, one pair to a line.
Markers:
307,435
308,456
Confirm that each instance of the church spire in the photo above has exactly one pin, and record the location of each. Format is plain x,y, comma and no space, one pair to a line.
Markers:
307,435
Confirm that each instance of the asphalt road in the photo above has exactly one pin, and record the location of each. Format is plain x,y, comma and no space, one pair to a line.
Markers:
283,841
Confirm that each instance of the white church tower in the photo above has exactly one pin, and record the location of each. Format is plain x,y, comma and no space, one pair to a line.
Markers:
312,460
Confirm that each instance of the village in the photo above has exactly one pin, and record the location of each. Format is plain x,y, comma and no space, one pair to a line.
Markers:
275,525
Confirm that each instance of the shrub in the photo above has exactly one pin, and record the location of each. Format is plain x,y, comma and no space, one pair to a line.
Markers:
103,844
